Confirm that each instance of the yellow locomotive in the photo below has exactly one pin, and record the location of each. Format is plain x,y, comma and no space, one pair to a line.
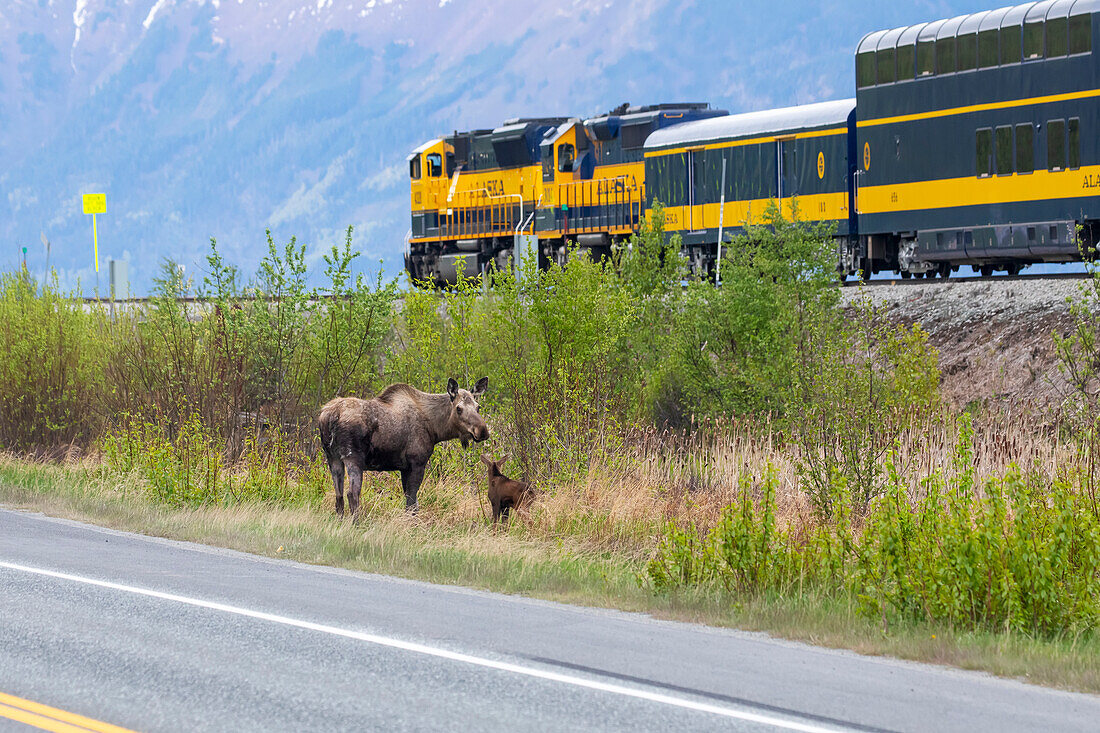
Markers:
551,183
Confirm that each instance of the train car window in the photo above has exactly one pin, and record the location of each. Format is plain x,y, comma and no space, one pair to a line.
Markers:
1033,40
906,60
566,153
926,58
1056,145
414,168
1073,142
1010,44
885,62
1003,141
677,180
967,46
983,145
865,70
1056,37
1080,33
1025,148
987,49
945,56
435,164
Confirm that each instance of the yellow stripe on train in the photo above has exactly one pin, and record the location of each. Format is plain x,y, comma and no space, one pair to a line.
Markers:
972,191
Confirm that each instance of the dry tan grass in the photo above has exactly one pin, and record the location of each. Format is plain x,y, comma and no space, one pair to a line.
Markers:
627,497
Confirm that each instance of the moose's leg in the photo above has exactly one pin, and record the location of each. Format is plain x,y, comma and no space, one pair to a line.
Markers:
336,466
355,475
411,478
496,509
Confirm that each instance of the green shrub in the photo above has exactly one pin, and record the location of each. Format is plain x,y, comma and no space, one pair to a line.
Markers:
1017,554
53,354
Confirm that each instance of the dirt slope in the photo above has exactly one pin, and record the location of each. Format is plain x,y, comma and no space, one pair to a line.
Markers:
993,335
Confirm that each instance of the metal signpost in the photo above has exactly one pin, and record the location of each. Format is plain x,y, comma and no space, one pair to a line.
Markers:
721,220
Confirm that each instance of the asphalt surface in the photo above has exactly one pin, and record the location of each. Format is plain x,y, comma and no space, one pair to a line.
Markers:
152,634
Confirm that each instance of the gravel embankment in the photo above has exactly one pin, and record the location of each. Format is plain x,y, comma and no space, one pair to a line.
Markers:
993,335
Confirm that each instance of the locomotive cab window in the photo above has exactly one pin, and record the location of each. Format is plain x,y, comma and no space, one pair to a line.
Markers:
1003,142
1033,41
1010,44
1080,33
451,165
1056,145
435,164
983,145
414,168
1073,142
1056,35
566,153
1025,148
865,70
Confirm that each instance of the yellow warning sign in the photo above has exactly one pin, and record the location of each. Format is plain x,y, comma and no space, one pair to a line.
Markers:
95,203
821,164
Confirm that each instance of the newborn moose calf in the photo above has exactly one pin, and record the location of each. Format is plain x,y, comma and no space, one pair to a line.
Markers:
504,493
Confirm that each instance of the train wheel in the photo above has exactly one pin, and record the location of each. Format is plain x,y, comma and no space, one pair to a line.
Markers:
987,270
945,270
1014,270
905,274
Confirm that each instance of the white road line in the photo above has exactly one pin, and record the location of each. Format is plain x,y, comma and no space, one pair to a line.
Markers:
439,653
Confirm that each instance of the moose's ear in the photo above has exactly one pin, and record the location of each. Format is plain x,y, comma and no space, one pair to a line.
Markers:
452,388
480,387
503,460
486,460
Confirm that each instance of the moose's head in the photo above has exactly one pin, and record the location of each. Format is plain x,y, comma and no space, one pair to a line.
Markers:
465,417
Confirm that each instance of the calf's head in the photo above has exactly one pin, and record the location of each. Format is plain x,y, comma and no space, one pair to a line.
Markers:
464,411
494,466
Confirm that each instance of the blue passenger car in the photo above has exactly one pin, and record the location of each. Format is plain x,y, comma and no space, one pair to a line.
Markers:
976,140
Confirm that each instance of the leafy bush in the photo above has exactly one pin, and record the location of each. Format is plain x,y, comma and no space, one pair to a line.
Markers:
1015,554
53,354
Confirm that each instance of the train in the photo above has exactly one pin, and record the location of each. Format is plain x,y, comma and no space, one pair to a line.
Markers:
968,142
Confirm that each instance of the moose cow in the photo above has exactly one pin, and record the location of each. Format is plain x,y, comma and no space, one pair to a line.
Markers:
396,431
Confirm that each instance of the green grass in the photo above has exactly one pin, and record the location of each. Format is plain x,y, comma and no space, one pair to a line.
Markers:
508,562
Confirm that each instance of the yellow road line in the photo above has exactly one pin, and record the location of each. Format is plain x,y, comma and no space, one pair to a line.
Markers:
52,719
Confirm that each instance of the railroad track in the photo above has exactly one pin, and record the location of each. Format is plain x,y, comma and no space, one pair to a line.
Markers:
970,279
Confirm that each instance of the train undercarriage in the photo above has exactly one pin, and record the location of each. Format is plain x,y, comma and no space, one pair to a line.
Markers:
925,254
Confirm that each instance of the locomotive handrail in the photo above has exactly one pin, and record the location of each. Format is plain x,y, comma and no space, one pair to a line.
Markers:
618,204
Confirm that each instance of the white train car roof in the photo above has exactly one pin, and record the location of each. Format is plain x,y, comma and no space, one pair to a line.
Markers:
765,122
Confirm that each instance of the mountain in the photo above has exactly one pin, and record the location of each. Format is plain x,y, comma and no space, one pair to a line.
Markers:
220,118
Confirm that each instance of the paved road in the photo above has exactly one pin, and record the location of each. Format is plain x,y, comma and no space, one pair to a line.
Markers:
152,634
